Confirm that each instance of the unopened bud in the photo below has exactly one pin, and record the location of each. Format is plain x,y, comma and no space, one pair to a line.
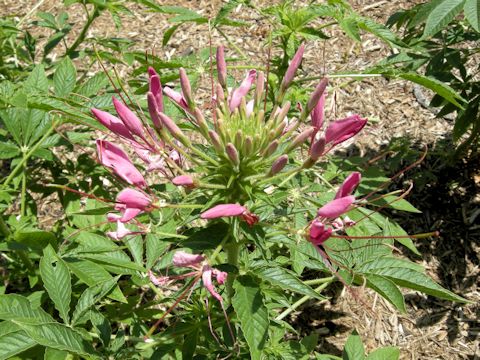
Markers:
153,110
221,67
215,140
173,129
260,85
279,130
282,113
239,139
292,68
248,145
186,89
200,119
232,154
278,165
316,95
300,139
220,94
271,148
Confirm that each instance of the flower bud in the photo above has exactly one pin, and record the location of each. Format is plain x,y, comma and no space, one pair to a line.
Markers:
349,185
153,110
278,165
239,139
282,112
131,121
316,95
186,89
232,154
248,145
223,210
220,95
221,67
200,119
184,180
292,68
317,149
271,148
215,140
260,85
174,129
300,139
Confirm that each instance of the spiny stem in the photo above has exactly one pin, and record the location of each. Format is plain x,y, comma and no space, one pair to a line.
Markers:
302,300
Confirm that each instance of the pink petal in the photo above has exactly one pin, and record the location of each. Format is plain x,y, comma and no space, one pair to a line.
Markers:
112,123
129,214
221,276
183,180
223,210
183,259
249,110
349,185
153,110
221,67
176,97
292,68
207,282
239,93
158,281
120,233
155,87
113,157
318,233
341,130
336,207
131,121
132,198
318,112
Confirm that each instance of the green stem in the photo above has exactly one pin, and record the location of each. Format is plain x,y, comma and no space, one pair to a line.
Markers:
302,300
24,192
21,164
232,44
319,281
83,33
245,67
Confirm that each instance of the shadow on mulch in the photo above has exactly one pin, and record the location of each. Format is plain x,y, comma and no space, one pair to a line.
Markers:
447,192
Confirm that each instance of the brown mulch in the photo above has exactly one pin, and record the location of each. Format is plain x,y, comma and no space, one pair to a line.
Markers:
449,198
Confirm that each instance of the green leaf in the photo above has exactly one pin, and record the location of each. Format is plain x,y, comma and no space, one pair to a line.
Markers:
417,281
472,13
154,248
91,296
57,281
442,89
441,16
354,349
36,80
252,313
65,77
91,274
54,354
116,258
93,85
388,262
8,150
57,336
387,289
393,229
396,203
286,280
390,353
13,340
168,34
16,307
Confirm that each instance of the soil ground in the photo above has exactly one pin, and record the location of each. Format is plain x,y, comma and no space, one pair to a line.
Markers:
448,194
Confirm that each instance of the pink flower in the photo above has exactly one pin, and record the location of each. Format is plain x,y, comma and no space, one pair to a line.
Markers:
318,112
112,123
121,232
349,185
114,158
342,130
223,210
335,208
316,95
131,203
319,233
177,98
183,259
292,68
131,121
239,93
183,180
155,87
228,210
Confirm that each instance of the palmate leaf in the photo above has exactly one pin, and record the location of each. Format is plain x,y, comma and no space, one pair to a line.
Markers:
417,281
57,336
91,296
441,16
37,80
13,340
65,77
252,313
286,280
472,13
57,281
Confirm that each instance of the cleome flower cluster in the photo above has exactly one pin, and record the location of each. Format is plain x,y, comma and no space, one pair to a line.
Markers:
242,148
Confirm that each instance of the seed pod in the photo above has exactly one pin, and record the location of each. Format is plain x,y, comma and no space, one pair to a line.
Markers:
232,154
278,164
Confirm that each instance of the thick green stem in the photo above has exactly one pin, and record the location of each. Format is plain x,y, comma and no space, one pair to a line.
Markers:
233,250
83,33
